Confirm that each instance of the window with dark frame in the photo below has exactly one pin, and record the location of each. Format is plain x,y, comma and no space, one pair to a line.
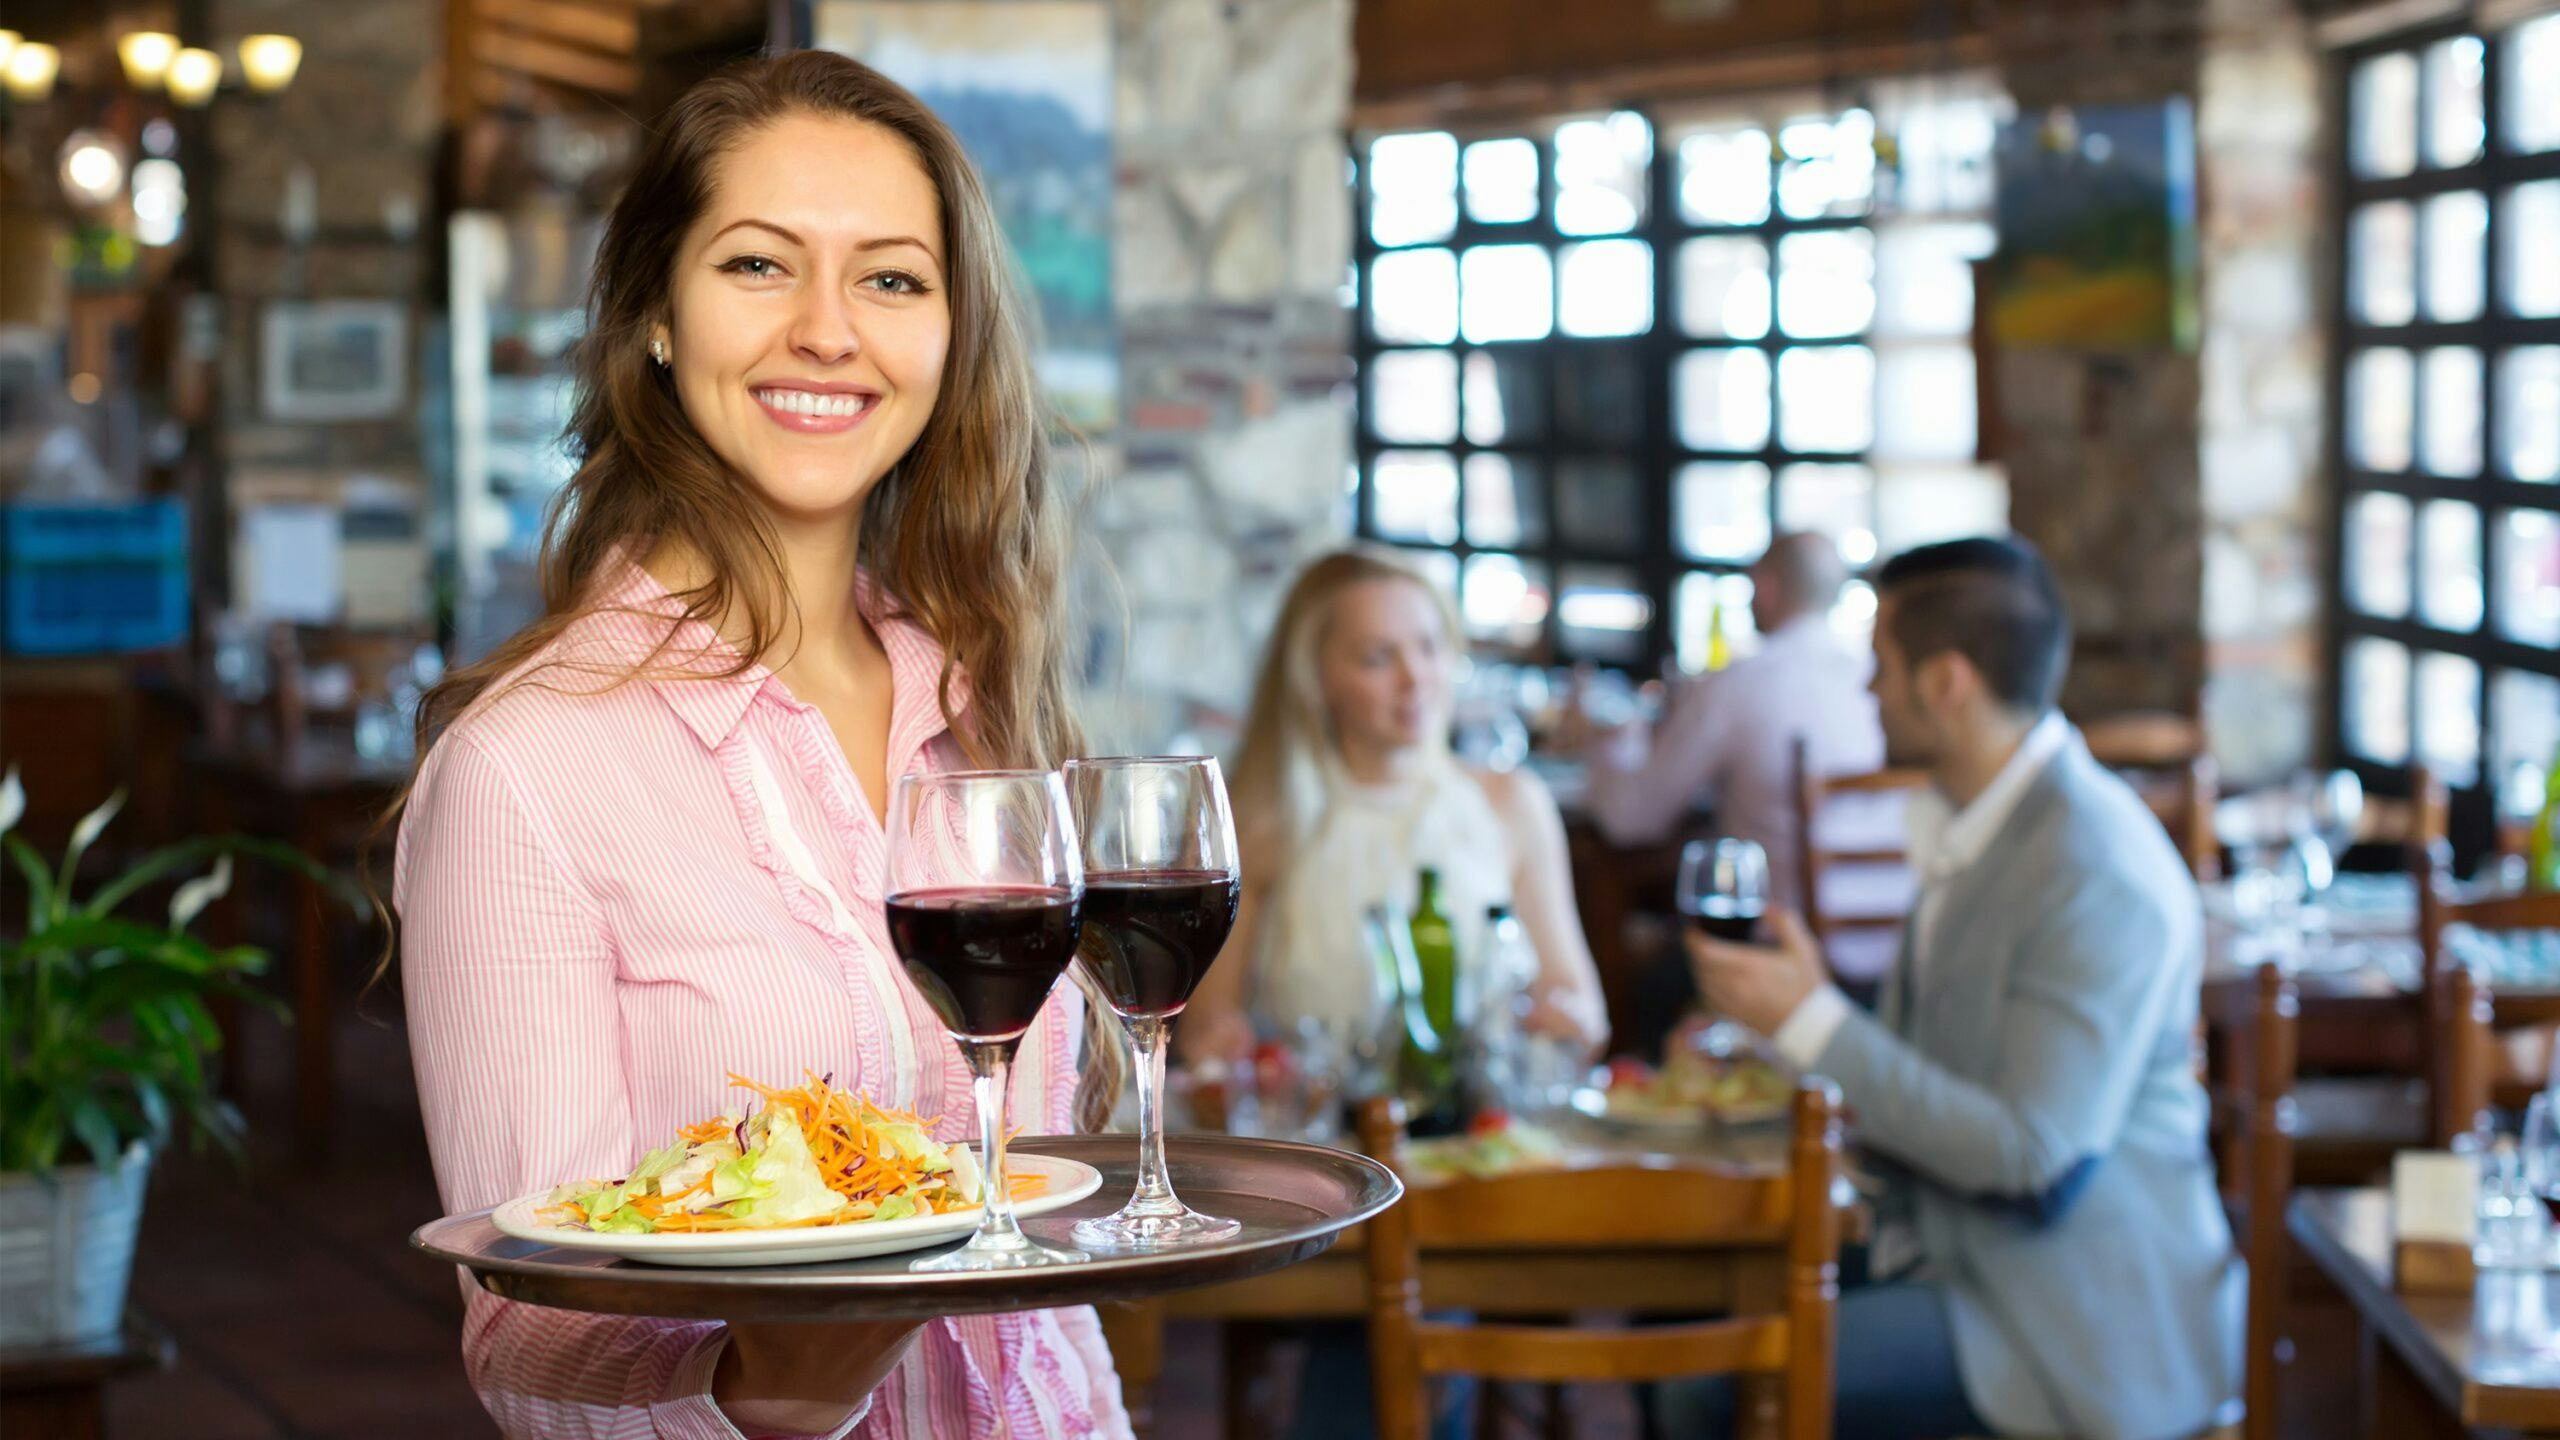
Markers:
1603,361
2445,645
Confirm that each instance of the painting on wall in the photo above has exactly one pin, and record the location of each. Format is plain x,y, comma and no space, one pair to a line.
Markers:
1026,85
326,360
2097,218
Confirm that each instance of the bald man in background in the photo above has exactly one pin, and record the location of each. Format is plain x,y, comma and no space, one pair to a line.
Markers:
1728,736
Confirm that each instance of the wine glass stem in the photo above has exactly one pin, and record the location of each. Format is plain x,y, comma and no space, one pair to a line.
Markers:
990,1067
1154,1194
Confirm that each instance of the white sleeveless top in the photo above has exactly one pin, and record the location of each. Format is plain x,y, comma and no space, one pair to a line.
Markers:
1369,845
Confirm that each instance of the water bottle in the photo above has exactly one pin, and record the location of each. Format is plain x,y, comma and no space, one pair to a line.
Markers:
1496,1042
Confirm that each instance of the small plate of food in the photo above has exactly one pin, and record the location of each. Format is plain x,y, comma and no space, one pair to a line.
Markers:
814,1173
1692,1089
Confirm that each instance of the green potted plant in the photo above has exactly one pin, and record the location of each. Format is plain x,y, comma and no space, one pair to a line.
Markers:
106,1044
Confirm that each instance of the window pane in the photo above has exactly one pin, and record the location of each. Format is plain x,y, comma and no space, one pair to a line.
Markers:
1506,292
1607,288
1414,496
1826,397
1502,181
2375,694
2525,712
1919,505
1413,188
1413,297
2533,102
2382,261
1724,287
1826,283
1597,505
2449,716
1413,397
2454,130
2529,576
1723,399
1505,599
1724,177
2380,407
2529,234
2383,116
1834,500
1506,396
1829,166
1723,510
1600,174
2378,551
1600,396
2529,412
2452,379
2449,593
1924,278
1944,160
2457,255
1505,501
1705,603
1601,612
1925,406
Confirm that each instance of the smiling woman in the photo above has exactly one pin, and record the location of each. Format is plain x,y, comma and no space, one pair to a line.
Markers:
811,546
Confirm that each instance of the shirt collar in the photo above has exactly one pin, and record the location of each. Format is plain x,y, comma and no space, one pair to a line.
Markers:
636,611
1946,841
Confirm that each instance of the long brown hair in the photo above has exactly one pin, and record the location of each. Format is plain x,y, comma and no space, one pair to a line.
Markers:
966,532
1288,732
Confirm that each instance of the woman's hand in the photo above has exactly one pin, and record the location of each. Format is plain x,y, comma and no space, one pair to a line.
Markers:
804,1379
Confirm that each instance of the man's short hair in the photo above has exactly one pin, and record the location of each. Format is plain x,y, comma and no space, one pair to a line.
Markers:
1991,600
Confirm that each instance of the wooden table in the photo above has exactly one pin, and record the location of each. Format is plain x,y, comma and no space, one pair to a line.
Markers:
60,1393
2435,1365
1523,1284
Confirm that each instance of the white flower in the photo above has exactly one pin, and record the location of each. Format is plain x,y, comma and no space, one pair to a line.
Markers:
13,801
94,823
196,894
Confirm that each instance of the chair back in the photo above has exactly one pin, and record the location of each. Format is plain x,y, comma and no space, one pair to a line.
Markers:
1793,1213
2467,1016
2268,1129
2164,757
1833,869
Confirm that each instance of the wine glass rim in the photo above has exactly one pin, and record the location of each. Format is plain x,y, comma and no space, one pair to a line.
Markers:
1096,762
930,776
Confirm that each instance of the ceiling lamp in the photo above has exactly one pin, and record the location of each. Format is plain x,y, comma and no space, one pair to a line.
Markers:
146,55
269,61
8,41
193,76
31,68
93,167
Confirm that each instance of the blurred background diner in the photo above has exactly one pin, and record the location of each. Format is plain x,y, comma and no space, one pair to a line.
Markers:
1490,427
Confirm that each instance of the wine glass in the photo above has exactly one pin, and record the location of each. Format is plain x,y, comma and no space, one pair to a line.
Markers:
1161,885
986,887
1722,890
2326,811
2540,1143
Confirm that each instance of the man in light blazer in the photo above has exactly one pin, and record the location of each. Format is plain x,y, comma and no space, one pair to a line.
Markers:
2049,1258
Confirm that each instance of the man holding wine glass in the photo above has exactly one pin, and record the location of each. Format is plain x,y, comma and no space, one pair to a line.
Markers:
2050,1253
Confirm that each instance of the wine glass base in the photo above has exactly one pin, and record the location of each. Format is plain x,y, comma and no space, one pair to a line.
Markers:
974,1257
1128,1232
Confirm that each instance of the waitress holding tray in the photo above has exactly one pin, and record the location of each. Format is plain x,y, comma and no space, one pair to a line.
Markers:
811,545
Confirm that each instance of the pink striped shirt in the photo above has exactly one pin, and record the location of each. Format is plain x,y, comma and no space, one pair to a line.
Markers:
610,899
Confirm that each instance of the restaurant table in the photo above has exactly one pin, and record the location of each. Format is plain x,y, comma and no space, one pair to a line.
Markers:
1517,1283
60,1393
2482,1363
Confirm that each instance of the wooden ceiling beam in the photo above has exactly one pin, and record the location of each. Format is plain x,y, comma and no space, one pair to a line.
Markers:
605,28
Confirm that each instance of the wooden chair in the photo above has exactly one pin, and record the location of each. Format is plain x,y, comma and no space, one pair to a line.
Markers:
1794,1212
2164,757
2472,1017
1818,798
2264,1186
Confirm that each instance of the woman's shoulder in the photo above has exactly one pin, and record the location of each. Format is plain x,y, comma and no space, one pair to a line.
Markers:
1515,794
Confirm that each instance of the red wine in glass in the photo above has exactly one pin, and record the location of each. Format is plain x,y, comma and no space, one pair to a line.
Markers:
985,957
1725,917
1150,935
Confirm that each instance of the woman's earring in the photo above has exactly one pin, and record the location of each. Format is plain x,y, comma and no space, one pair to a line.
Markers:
658,352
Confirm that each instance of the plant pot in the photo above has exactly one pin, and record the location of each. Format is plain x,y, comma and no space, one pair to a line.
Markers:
66,1250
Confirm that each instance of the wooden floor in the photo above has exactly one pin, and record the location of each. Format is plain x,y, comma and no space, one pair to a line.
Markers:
300,1314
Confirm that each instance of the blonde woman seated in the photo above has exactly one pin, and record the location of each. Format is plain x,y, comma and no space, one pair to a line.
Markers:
1346,790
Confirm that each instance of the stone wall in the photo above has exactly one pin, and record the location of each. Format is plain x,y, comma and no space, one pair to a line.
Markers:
1232,246
2258,133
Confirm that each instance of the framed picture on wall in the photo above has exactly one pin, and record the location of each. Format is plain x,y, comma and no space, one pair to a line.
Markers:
334,359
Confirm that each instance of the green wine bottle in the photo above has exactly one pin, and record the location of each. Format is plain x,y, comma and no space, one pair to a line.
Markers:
1435,948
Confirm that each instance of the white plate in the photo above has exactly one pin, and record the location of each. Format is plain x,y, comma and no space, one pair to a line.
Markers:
1069,1182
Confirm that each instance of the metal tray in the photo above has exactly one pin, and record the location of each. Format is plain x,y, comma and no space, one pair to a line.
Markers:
1293,1200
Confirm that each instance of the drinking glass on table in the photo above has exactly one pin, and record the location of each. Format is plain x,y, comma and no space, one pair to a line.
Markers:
2327,810
985,889
1722,890
1161,884
2541,1145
